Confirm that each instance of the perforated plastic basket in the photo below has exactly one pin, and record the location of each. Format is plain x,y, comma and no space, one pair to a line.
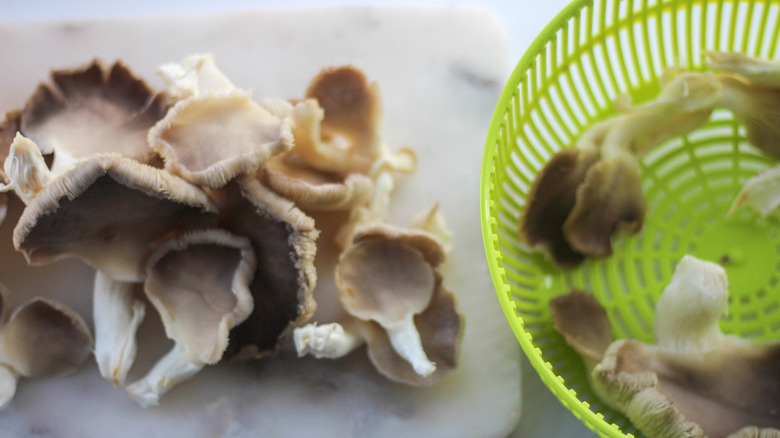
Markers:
590,53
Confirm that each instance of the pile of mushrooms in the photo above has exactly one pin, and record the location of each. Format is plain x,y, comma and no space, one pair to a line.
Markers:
587,194
195,200
695,381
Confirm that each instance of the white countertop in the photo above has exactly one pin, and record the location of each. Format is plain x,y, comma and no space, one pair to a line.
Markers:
542,415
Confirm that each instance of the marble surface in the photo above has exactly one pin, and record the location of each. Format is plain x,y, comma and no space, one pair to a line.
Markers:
440,70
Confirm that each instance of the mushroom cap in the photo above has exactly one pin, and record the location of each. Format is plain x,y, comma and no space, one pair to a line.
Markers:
388,273
314,190
211,139
550,201
44,338
93,109
441,330
352,114
755,105
583,322
609,200
199,283
283,238
111,212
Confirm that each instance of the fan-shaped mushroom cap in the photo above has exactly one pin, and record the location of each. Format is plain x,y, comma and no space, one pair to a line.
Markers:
111,212
199,283
93,110
441,329
283,238
43,338
388,275
211,139
349,138
550,201
609,200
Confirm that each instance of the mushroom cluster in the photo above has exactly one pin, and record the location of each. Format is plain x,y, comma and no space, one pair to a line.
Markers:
197,200
695,381
586,194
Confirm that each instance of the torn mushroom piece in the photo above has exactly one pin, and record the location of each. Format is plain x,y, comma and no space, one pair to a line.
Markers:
111,212
93,109
40,338
117,312
284,240
388,275
695,380
219,132
199,284
760,193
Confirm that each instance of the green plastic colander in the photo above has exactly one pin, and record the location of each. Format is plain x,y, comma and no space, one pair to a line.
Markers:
590,53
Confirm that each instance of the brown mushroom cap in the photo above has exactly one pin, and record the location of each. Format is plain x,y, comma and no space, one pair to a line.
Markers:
93,110
550,200
755,105
352,114
199,283
441,330
111,212
609,200
210,140
583,322
313,190
284,239
44,338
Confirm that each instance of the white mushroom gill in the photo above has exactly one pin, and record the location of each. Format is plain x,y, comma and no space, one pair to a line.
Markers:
25,169
117,314
199,284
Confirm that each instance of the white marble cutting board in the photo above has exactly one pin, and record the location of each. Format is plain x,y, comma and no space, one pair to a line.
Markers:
440,71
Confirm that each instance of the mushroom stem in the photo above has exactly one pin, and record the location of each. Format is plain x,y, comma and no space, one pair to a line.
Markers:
405,340
8,378
173,368
26,169
117,314
328,341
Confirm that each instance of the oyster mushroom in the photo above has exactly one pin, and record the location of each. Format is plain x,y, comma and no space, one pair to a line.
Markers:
388,276
283,238
92,109
585,195
117,313
40,338
111,212
695,380
25,169
199,284
218,133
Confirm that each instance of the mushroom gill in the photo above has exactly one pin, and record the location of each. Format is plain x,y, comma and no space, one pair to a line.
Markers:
93,109
284,241
110,211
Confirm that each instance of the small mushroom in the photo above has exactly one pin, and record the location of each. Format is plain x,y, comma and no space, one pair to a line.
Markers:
117,313
25,169
284,240
40,338
92,109
197,75
110,211
199,284
388,276
9,127
695,380
218,134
